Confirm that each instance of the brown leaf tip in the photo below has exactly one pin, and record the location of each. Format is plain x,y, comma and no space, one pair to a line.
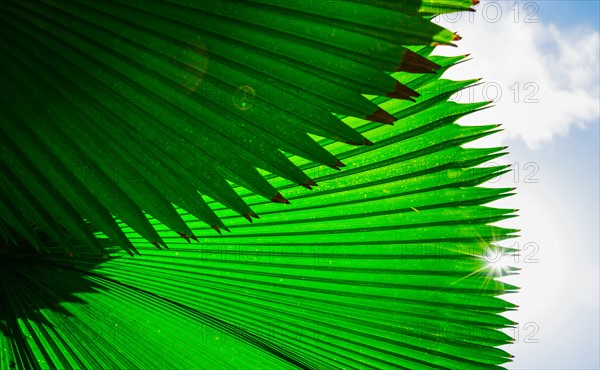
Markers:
187,239
306,185
382,116
415,63
403,92
278,198
216,228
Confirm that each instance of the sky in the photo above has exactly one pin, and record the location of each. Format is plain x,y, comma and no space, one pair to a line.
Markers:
539,61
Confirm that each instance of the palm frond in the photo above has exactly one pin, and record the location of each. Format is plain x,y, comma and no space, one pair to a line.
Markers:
132,126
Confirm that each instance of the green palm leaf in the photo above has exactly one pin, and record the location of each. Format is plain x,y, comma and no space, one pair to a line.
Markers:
128,127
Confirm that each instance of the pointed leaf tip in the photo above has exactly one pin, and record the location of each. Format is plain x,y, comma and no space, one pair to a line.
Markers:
216,228
403,92
381,116
187,239
278,198
307,184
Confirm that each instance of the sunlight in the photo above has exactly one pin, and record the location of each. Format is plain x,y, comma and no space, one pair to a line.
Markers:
498,262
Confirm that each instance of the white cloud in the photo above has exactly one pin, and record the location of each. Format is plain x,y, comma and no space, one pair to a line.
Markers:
543,79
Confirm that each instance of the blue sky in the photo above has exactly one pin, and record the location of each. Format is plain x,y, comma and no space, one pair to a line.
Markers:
539,62
565,12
